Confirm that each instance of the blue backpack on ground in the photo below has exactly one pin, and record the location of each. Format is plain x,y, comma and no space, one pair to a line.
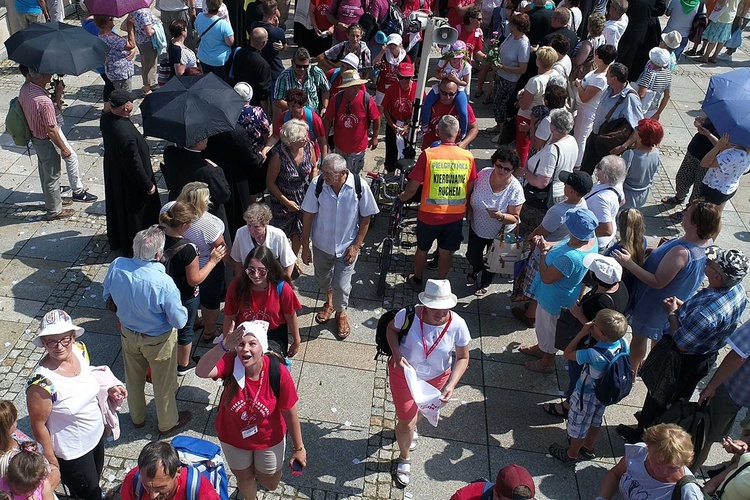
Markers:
193,485
617,379
205,457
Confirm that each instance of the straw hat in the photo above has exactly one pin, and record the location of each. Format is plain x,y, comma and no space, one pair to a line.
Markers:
350,78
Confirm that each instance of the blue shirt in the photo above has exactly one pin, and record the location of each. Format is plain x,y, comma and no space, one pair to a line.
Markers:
563,292
212,49
147,299
28,7
595,363
737,385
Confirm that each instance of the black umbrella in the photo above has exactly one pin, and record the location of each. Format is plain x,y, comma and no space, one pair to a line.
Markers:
56,48
189,109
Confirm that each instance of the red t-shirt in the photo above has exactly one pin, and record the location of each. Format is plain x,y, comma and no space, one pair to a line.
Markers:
232,419
412,5
205,491
389,75
417,174
320,9
400,102
471,491
317,128
454,18
351,122
263,304
472,39
438,111
335,84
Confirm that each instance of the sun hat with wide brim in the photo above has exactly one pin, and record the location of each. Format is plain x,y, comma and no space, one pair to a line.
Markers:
350,78
56,322
437,295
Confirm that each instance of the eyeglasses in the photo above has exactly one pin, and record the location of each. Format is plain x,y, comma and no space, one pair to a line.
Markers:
55,343
301,66
259,271
501,167
449,94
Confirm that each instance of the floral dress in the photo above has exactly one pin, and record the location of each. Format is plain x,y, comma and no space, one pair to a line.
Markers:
292,181
254,120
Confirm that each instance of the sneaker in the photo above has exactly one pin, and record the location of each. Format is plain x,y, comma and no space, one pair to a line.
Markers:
585,454
184,370
724,57
85,197
62,214
64,189
630,434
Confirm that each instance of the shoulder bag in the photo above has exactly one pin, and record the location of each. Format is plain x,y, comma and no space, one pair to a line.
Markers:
502,256
613,133
568,326
541,198
661,370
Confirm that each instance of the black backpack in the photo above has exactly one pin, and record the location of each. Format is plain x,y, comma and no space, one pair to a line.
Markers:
692,417
381,339
357,186
274,371
394,22
617,380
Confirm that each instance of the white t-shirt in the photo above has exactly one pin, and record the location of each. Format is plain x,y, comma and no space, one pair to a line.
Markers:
563,67
554,220
463,74
604,202
483,197
678,20
276,242
598,80
575,18
536,86
439,360
553,159
75,424
733,163
613,30
637,483
543,129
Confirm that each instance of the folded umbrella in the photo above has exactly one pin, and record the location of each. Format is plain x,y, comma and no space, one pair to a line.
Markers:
189,109
115,8
56,48
727,105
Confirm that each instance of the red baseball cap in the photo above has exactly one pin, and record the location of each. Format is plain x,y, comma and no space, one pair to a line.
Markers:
405,69
511,477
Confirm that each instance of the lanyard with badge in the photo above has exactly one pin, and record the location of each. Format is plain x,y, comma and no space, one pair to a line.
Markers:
423,368
251,430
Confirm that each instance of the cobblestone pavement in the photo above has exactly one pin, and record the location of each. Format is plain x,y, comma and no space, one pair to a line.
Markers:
345,405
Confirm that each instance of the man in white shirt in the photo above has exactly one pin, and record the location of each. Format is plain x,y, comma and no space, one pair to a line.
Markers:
171,10
338,207
617,23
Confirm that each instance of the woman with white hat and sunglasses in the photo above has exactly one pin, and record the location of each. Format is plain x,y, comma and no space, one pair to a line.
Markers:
428,345
257,406
61,397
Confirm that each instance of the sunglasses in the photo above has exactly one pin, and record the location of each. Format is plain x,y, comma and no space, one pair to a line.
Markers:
258,271
301,66
449,94
404,77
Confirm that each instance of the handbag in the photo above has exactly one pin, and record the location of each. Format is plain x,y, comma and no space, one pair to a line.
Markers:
541,197
661,370
613,133
502,256
519,281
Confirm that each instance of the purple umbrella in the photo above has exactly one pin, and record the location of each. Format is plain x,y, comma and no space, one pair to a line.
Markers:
115,8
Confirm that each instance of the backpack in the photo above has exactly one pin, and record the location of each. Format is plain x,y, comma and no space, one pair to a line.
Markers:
394,22
204,457
693,418
308,118
617,380
16,124
720,492
381,339
357,186
677,491
193,485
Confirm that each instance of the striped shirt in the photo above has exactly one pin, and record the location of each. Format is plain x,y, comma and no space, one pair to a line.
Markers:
202,233
657,81
37,108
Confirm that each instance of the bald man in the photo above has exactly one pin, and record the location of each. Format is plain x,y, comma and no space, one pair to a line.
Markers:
250,67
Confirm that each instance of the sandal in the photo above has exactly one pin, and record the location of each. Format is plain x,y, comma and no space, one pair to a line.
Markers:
560,452
671,200
537,366
403,472
342,326
531,350
471,279
556,410
481,292
324,314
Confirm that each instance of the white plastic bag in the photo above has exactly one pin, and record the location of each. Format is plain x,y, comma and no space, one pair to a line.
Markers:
425,396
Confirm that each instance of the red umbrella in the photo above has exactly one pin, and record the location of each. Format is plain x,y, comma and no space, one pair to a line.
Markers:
115,8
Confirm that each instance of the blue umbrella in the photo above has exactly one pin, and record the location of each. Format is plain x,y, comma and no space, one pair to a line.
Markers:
727,105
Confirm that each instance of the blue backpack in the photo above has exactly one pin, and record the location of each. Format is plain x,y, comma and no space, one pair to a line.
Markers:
617,379
205,458
193,485
308,120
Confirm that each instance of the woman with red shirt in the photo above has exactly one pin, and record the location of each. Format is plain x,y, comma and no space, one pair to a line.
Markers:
398,105
263,292
388,61
253,416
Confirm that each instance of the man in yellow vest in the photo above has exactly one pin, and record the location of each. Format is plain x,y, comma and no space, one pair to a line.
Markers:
446,174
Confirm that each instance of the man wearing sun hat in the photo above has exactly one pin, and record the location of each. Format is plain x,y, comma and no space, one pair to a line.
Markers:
699,327
349,61
350,115
513,482
398,105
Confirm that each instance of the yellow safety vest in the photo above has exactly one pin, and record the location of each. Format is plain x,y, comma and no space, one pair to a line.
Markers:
446,177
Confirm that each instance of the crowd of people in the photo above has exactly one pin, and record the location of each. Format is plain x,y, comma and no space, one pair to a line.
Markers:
578,152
